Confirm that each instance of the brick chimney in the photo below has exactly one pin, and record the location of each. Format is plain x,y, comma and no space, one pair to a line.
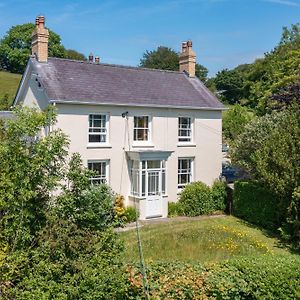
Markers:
40,36
187,59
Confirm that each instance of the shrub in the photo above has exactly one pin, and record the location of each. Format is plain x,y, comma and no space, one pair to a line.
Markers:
255,278
175,209
252,202
119,210
66,263
219,194
196,199
265,277
130,214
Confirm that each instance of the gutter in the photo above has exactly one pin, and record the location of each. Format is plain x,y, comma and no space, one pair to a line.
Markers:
138,105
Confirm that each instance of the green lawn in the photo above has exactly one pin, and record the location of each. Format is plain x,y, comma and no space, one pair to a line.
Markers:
9,83
206,240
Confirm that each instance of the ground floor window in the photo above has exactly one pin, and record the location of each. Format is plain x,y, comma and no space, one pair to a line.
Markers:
100,169
185,171
148,178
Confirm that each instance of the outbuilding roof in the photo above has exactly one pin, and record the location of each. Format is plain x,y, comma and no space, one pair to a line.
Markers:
71,81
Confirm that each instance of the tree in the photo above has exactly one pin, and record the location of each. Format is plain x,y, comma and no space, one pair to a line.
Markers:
269,149
234,122
30,170
165,58
73,54
53,245
15,47
230,85
162,58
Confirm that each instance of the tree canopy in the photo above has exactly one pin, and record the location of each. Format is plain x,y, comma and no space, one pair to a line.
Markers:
165,58
270,82
15,48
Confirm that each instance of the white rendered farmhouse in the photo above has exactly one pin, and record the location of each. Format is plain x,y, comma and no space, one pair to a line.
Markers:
147,133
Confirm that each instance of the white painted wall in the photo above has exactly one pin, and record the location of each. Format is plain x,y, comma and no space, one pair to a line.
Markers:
206,147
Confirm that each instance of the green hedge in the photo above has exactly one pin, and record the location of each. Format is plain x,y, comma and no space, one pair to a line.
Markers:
267,277
252,202
198,199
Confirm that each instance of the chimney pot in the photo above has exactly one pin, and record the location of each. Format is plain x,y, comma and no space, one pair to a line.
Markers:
97,59
91,57
187,59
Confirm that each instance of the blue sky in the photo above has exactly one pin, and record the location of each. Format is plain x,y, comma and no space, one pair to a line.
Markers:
225,33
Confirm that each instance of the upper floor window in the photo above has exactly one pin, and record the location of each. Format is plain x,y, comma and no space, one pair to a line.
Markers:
100,169
141,131
185,171
184,129
98,128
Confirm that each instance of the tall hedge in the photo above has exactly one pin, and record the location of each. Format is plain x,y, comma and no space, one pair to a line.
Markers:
254,203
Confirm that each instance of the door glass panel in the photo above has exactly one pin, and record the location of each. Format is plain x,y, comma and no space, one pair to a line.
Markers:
153,183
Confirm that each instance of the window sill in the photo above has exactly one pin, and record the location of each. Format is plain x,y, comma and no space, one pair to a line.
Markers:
186,144
142,145
98,145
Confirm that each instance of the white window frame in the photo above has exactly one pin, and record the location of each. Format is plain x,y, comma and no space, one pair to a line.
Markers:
106,133
179,185
142,142
99,177
141,169
190,141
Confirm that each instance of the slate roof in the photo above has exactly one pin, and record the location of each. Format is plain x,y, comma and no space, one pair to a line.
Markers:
83,82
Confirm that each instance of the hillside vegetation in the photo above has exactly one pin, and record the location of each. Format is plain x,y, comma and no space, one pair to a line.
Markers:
9,83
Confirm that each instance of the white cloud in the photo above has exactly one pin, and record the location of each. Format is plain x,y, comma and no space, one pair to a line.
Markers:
284,2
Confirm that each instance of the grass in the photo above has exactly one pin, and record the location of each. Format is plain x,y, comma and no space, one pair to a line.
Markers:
206,240
9,83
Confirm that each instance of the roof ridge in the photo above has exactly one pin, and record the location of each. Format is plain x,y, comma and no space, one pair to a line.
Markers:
116,65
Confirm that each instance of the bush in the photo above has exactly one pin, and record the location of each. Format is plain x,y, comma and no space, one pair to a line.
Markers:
219,195
256,278
130,214
66,263
175,209
198,199
265,277
253,203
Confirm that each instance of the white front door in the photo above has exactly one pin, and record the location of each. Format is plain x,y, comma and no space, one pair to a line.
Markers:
154,194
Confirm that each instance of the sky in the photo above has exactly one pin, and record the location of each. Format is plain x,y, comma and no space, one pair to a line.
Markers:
225,33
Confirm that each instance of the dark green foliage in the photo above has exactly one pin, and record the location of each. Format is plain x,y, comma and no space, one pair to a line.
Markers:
269,149
89,206
73,54
15,47
255,278
265,277
198,199
53,247
165,58
254,203
175,209
218,194
30,169
230,85
130,214
234,122
162,58
66,263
